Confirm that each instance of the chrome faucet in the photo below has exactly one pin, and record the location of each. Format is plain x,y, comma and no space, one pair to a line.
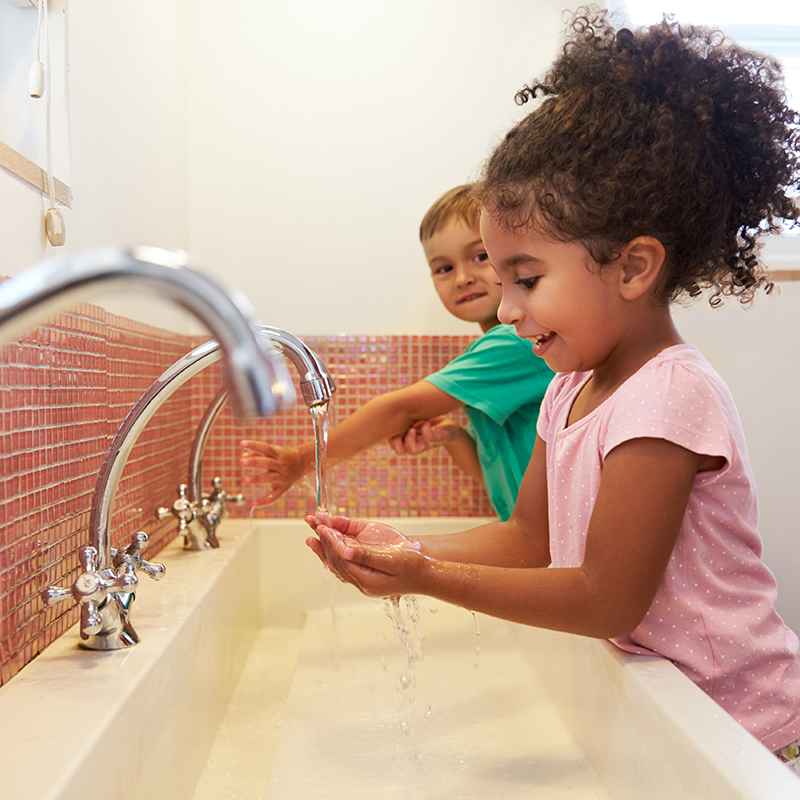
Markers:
198,516
258,381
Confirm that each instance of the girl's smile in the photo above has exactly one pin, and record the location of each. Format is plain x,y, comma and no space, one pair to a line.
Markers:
554,295
540,342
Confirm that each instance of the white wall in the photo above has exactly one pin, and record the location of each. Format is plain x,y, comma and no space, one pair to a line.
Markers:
293,147
127,114
321,132
755,351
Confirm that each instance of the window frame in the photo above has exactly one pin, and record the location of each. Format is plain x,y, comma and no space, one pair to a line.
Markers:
781,253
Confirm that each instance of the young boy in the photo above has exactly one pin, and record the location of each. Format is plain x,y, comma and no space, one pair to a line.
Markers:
497,380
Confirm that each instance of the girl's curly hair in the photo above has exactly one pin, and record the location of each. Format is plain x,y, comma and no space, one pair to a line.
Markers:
667,131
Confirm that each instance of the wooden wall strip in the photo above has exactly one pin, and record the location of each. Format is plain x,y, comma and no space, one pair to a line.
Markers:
32,174
785,274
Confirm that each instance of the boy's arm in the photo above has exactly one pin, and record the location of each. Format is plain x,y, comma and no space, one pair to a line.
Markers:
379,419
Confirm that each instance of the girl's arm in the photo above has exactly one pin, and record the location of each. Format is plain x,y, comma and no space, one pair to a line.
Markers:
381,418
520,542
635,522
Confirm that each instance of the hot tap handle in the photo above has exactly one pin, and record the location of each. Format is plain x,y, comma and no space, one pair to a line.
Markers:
128,560
89,589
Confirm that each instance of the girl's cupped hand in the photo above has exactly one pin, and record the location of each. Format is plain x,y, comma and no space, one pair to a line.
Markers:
374,557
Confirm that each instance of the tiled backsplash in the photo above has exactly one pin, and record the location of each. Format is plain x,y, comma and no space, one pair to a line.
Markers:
66,387
375,483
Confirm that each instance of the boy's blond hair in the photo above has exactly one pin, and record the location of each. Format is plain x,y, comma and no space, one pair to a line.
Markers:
457,203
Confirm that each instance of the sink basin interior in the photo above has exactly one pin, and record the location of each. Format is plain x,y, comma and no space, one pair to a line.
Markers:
260,676
364,720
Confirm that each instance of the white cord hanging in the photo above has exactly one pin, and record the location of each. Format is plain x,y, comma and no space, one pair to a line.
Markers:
53,219
36,75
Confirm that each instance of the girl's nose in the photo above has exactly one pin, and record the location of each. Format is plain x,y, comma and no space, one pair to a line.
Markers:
508,313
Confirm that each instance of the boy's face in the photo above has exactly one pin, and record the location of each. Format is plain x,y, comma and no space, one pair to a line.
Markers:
462,273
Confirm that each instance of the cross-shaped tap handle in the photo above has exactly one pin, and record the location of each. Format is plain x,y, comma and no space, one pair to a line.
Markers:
128,560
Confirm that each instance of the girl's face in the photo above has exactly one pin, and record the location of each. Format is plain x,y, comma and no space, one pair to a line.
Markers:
555,295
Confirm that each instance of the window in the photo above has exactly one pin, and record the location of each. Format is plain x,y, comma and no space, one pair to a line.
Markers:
766,26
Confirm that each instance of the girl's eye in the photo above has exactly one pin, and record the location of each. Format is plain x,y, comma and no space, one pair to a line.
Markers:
482,258
528,283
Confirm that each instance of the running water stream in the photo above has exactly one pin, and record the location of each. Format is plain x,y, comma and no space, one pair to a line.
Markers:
320,419
319,416
404,612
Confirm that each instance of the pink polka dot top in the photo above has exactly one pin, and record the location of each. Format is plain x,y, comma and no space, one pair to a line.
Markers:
713,614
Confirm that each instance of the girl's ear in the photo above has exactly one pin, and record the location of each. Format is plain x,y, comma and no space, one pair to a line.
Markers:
640,266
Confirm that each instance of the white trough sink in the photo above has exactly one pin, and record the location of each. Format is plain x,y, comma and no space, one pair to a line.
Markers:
245,685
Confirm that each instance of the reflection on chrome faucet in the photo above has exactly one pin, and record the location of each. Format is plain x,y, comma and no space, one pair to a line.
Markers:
257,379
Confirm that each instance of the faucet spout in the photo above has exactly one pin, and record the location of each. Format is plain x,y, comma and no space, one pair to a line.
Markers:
257,379
316,385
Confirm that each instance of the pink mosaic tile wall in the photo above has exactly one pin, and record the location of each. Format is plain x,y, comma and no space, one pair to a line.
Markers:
375,483
66,387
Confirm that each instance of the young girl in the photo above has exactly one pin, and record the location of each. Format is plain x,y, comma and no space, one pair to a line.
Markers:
648,172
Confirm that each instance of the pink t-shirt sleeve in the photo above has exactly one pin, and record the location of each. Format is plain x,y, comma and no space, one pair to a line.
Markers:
677,403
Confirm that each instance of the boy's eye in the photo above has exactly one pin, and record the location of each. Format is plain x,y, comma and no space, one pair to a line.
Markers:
482,258
443,269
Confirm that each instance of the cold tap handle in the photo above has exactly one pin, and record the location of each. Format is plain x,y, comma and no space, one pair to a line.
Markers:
154,571
219,495
182,509
129,561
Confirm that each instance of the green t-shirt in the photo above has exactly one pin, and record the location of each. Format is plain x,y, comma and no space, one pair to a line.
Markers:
501,383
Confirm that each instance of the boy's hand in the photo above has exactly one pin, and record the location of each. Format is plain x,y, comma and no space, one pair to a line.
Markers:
374,557
279,467
425,435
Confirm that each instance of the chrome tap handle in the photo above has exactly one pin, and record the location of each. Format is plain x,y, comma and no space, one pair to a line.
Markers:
214,507
182,509
90,589
219,495
129,561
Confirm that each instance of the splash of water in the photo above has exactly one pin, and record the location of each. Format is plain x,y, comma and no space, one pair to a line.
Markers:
406,624
477,634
